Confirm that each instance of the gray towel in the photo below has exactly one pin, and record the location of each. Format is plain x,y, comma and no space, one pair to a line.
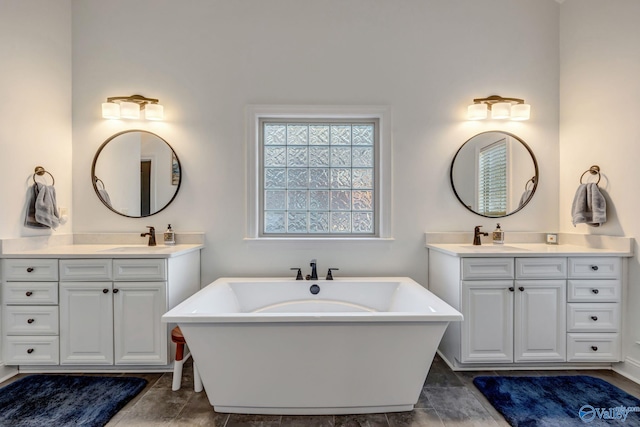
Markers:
30,221
104,196
525,197
46,209
589,206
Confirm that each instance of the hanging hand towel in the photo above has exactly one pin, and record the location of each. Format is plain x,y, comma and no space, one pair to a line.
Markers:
589,206
30,220
46,209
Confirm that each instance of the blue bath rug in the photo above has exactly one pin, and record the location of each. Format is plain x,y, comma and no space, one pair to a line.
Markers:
65,400
560,401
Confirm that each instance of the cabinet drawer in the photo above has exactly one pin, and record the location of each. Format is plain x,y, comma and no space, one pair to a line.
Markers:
595,268
541,268
85,269
45,293
30,269
30,320
593,347
593,291
487,268
20,350
139,269
593,317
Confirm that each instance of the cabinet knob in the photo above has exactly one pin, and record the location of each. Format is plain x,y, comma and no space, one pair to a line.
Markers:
29,293
594,267
511,289
595,291
521,288
30,269
594,348
115,291
31,320
594,318
30,351
105,291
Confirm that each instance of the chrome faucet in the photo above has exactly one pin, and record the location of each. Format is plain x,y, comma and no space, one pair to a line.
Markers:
314,272
152,236
476,235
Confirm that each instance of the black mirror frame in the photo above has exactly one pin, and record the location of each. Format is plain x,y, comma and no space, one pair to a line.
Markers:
535,181
95,160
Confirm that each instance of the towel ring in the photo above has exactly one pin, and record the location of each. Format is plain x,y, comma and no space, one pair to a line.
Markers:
40,171
532,181
593,170
98,180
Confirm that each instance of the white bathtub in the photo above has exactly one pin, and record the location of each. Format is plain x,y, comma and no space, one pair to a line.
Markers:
270,346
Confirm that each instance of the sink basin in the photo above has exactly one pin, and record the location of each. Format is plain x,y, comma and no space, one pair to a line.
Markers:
133,249
493,248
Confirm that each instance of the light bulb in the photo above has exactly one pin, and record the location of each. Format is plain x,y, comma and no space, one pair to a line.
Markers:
110,110
477,111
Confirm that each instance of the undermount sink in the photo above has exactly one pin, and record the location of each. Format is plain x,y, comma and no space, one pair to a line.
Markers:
493,248
133,249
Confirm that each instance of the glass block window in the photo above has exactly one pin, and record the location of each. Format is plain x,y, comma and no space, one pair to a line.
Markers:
492,179
318,178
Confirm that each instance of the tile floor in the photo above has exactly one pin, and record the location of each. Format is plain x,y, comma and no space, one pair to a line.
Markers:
448,399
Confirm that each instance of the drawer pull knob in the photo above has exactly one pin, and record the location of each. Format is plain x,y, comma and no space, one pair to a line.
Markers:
105,291
30,270
511,289
594,267
31,320
30,351
115,291
29,293
594,318
521,288
595,291
594,348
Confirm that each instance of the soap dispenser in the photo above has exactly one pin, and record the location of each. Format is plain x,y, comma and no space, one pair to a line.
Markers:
169,237
498,235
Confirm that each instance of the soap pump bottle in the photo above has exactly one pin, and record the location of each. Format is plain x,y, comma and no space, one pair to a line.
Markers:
169,237
498,235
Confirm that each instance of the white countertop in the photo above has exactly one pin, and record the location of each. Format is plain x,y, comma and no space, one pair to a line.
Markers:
523,250
104,251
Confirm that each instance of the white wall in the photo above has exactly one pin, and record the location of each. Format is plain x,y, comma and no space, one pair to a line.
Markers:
600,85
35,106
206,60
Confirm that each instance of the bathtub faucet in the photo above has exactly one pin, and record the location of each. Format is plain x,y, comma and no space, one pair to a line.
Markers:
314,271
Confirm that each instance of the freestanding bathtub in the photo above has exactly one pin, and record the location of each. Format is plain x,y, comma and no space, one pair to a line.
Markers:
281,346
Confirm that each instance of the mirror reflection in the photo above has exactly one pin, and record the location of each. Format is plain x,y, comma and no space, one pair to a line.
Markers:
494,174
136,173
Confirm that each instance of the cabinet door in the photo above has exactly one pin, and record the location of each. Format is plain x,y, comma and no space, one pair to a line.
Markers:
487,329
540,321
86,323
140,336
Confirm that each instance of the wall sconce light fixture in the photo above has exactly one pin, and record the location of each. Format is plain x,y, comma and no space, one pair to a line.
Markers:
129,107
501,108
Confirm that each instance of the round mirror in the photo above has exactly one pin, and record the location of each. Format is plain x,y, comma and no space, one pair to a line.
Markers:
136,173
494,174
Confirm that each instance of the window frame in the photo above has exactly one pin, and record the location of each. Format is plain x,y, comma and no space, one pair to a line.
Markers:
382,166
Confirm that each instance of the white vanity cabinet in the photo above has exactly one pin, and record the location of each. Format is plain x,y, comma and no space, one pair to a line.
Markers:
115,321
526,311
509,320
102,312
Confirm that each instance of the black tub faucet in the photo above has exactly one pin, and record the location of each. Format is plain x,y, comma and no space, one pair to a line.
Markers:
314,271
152,235
476,235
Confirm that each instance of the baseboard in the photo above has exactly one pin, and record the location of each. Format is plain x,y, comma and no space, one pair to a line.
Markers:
630,369
7,372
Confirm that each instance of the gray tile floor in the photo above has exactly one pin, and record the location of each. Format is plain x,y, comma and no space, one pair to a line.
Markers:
448,399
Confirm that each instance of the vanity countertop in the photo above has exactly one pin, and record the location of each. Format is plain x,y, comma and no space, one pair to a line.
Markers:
523,250
103,251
